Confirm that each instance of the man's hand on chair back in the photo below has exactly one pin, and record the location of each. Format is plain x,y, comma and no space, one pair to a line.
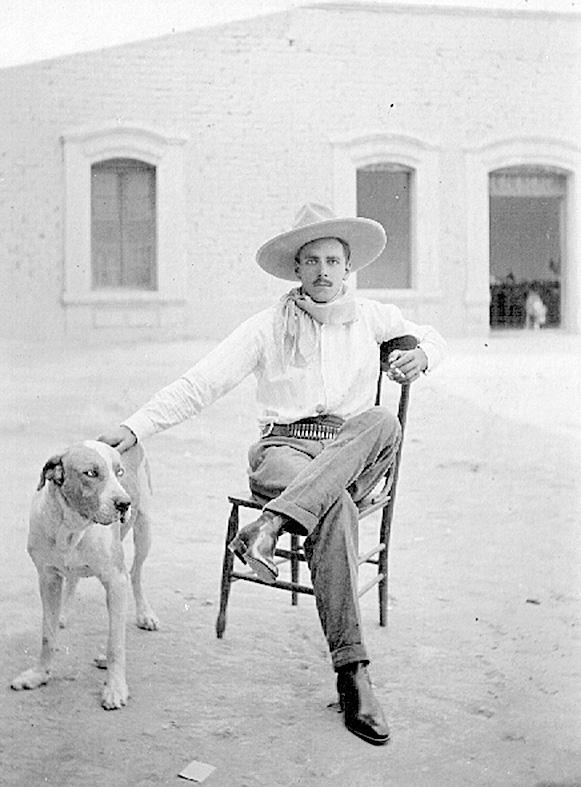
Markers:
405,366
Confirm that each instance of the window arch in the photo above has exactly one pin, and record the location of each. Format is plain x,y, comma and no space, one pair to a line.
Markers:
530,155
394,179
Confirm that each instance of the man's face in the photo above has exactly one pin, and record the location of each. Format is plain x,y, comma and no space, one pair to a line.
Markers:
322,269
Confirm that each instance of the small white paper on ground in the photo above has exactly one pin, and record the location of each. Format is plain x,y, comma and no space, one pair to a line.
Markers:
197,771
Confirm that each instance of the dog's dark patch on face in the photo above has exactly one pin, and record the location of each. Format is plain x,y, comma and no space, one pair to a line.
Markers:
83,483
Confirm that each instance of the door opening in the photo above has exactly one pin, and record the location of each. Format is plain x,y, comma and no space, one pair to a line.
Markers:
526,243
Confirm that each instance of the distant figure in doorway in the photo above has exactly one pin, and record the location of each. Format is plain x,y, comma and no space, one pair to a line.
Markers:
535,311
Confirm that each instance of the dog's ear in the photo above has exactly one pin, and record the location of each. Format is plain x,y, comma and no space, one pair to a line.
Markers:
52,471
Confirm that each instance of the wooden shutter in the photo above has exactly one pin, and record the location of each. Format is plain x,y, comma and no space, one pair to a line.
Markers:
123,231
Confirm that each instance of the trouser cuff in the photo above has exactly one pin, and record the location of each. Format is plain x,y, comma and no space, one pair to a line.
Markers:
302,517
348,655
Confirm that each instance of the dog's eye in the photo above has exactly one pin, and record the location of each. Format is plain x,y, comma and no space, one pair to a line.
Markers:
91,473
120,471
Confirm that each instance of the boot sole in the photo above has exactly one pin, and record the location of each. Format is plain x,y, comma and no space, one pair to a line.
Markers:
262,571
367,739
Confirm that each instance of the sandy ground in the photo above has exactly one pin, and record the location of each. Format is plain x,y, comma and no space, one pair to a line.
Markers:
478,671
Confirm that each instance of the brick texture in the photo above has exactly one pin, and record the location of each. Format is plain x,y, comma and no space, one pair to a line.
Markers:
259,102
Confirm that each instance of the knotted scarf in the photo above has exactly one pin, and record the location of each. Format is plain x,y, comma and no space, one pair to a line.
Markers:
299,321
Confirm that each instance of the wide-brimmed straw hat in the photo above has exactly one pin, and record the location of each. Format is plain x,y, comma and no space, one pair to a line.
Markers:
366,239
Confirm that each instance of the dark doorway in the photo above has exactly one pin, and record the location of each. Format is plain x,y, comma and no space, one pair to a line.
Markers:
526,243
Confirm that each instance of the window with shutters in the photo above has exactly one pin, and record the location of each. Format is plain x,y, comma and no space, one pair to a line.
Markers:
123,225
124,228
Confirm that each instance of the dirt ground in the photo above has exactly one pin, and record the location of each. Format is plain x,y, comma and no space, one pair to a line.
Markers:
478,670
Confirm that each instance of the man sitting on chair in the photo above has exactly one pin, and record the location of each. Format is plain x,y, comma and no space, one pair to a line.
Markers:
324,446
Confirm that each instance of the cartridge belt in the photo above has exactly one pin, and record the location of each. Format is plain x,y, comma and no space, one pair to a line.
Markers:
323,427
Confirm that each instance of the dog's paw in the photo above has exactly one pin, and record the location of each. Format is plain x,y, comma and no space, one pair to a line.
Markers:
30,679
147,619
115,694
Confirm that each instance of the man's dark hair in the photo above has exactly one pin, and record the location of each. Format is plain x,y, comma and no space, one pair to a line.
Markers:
343,243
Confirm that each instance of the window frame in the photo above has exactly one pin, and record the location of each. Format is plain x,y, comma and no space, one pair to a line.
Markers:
87,146
354,151
518,152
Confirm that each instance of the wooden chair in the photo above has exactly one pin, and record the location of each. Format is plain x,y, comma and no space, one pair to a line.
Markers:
384,500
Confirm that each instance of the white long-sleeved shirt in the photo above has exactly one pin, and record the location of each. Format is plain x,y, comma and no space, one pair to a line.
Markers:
340,379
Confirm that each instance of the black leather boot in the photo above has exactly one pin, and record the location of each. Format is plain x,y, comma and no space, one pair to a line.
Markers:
255,545
363,714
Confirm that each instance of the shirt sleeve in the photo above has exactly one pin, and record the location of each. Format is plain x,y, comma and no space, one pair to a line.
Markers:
222,369
390,322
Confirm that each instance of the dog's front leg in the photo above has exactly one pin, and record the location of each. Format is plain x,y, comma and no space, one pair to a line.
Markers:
115,692
68,597
51,588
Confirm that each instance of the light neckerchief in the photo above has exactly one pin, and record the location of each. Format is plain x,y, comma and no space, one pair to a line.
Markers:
300,319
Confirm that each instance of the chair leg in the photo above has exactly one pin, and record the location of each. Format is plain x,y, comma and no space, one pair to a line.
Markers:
295,563
382,589
227,565
383,566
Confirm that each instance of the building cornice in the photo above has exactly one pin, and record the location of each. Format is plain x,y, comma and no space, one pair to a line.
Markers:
439,10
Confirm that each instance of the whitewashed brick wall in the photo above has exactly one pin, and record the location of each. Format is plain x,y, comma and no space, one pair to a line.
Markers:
259,103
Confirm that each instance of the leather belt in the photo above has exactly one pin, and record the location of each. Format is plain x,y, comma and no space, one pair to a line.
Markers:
320,428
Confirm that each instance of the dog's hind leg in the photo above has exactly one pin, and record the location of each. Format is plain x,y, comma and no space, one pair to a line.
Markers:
51,587
145,616
70,586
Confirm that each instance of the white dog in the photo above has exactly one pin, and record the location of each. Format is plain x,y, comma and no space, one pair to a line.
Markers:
535,311
86,501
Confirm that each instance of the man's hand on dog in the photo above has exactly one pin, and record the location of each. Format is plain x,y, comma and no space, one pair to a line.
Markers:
405,366
121,438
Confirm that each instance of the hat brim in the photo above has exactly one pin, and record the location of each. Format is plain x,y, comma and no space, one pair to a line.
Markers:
366,239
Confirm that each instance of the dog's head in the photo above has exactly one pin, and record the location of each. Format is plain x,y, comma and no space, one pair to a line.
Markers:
88,477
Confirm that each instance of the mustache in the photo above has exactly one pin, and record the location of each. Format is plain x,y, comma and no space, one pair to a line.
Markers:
325,282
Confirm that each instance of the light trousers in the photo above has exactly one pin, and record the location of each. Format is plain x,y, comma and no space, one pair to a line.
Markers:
317,485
